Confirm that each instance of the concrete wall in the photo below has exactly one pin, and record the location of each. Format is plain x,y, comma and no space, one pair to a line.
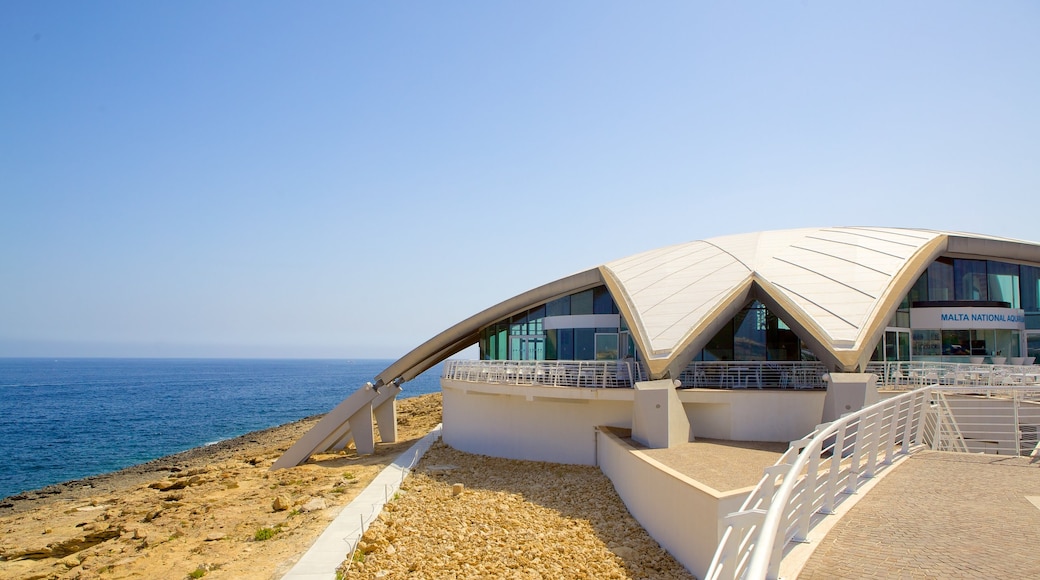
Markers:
558,423
752,414
536,423
683,515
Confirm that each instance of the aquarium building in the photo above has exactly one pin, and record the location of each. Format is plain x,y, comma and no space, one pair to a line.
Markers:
753,337
754,329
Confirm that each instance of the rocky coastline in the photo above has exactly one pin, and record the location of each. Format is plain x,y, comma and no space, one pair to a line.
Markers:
214,511
217,512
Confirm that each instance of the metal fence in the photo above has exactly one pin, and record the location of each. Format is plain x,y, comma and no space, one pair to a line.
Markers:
832,462
913,374
590,374
754,374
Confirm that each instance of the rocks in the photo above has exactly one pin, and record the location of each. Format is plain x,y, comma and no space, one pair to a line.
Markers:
205,507
314,505
167,485
281,503
518,519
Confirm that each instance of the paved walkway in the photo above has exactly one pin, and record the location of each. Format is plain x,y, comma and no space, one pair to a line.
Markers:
339,539
939,515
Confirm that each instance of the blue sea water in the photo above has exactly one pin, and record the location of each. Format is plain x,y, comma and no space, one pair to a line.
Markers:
65,419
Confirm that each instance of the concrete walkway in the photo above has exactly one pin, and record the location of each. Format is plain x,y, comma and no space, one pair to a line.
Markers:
341,536
939,515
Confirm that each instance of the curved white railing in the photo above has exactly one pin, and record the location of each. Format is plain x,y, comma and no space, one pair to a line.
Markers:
814,473
819,472
590,374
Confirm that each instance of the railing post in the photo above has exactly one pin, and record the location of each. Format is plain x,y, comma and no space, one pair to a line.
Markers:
892,432
872,441
834,473
1015,427
854,463
809,496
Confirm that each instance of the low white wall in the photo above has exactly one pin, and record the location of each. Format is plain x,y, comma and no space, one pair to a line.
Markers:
554,424
683,515
752,414
558,423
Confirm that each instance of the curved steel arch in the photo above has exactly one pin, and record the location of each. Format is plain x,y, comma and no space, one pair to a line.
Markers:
467,332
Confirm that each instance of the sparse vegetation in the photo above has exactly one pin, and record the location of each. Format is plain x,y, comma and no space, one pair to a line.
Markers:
263,534
197,572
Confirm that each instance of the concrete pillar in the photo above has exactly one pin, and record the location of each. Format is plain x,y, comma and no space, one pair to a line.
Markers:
848,393
658,418
386,416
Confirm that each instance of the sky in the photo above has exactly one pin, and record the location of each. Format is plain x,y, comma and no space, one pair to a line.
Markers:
347,179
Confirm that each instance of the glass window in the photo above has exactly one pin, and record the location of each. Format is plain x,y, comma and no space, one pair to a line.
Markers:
603,302
581,303
502,342
720,347
1029,283
891,345
749,340
1033,346
559,307
565,345
584,343
970,279
607,346
1003,283
927,343
956,342
551,345
518,325
781,342
940,280
534,320
919,292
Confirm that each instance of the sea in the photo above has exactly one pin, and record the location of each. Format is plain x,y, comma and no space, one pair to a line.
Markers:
65,419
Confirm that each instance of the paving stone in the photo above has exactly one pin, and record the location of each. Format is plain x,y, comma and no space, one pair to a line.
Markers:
939,515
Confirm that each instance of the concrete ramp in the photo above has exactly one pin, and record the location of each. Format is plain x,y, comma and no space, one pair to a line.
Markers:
350,420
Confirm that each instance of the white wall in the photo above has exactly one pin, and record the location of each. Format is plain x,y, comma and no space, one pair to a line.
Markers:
752,414
536,423
682,515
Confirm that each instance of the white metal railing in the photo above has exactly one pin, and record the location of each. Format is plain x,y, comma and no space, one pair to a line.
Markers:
818,472
591,374
913,374
754,374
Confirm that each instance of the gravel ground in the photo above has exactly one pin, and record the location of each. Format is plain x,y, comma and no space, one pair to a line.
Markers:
511,519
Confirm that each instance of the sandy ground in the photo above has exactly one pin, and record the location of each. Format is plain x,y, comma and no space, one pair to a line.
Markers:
197,513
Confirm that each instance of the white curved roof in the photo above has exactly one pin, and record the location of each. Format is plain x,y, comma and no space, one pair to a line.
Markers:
833,279
836,287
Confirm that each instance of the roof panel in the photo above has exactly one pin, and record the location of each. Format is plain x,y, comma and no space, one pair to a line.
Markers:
833,276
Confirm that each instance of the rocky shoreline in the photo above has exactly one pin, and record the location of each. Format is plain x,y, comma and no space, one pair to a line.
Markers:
214,511
112,481
217,512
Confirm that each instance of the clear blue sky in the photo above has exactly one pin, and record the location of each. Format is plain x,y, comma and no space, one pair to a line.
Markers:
346,179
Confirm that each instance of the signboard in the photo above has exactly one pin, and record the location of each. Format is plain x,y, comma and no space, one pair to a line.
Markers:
968,318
